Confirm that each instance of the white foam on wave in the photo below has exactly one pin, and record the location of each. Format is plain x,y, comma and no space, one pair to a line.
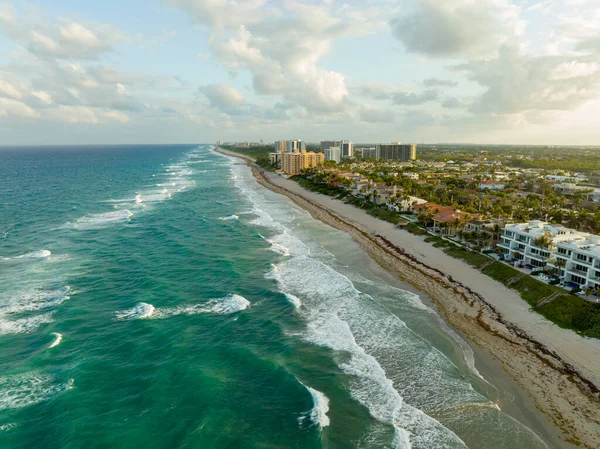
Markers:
294,300
229,218
57,340
318,414
23,325
9,426
32,300
41,254
138,199
103,220
371,387
219,306
23,390
139,312
339,318
287,244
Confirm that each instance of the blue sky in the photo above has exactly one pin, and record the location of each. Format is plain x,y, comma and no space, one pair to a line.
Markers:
485,71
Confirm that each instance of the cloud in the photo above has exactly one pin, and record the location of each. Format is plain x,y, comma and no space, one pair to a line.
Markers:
62,38
222,13
457,103
375,91
453,28
281,44
516,82
412,99
10,107
117,116
72,115
370,114
436,82
222,95
9,89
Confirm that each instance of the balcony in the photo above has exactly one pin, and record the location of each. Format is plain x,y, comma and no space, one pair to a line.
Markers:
577,272
502,244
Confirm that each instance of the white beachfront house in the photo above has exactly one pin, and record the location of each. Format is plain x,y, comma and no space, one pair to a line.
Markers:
543,245
580,261
489,184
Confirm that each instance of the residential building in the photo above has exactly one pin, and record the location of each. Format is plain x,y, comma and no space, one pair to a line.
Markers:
329,144
489,184
280,146
396,151
448,221
535,243
594,179
367,152
296,145
332,154
275,158
411,175
347,149
293,163
580,261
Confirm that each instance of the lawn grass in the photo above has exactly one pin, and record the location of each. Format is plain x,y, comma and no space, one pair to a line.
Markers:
472,258
564,310
567,310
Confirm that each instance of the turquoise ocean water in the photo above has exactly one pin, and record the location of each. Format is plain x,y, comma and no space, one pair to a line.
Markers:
157,297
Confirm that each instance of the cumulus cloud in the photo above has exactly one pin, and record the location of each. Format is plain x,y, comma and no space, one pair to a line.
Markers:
222,13
62,38
281,45
453,28
222,95
530,82
412,99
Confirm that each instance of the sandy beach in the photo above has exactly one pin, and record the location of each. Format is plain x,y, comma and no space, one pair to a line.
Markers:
558,369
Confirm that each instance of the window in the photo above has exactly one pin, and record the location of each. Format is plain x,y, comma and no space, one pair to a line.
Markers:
582,257
580,268
577,279
562,251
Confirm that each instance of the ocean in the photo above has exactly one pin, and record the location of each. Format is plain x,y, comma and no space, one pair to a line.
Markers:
158,297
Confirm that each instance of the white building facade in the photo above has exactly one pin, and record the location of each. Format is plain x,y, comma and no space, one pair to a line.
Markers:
573,255
332,154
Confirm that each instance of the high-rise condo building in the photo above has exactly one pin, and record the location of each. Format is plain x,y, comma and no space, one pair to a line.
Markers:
296,145
329,144
280,146
396,151
347,149
332,154
294,163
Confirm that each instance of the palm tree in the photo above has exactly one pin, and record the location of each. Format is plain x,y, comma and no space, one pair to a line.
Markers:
560,264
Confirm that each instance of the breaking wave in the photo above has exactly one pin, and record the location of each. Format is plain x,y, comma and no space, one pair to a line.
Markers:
57,340
220,306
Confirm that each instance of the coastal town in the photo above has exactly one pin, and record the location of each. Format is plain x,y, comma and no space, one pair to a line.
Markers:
495,209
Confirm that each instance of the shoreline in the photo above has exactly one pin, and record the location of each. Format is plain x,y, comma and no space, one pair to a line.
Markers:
566,392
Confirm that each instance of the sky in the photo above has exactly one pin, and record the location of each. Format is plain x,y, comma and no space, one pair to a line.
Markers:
198,71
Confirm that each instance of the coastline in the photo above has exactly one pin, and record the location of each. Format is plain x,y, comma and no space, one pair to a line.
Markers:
560,377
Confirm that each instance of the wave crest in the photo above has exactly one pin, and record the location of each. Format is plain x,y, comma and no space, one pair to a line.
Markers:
219,306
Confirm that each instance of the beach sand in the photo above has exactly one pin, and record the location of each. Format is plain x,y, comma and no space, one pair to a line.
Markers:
556,370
